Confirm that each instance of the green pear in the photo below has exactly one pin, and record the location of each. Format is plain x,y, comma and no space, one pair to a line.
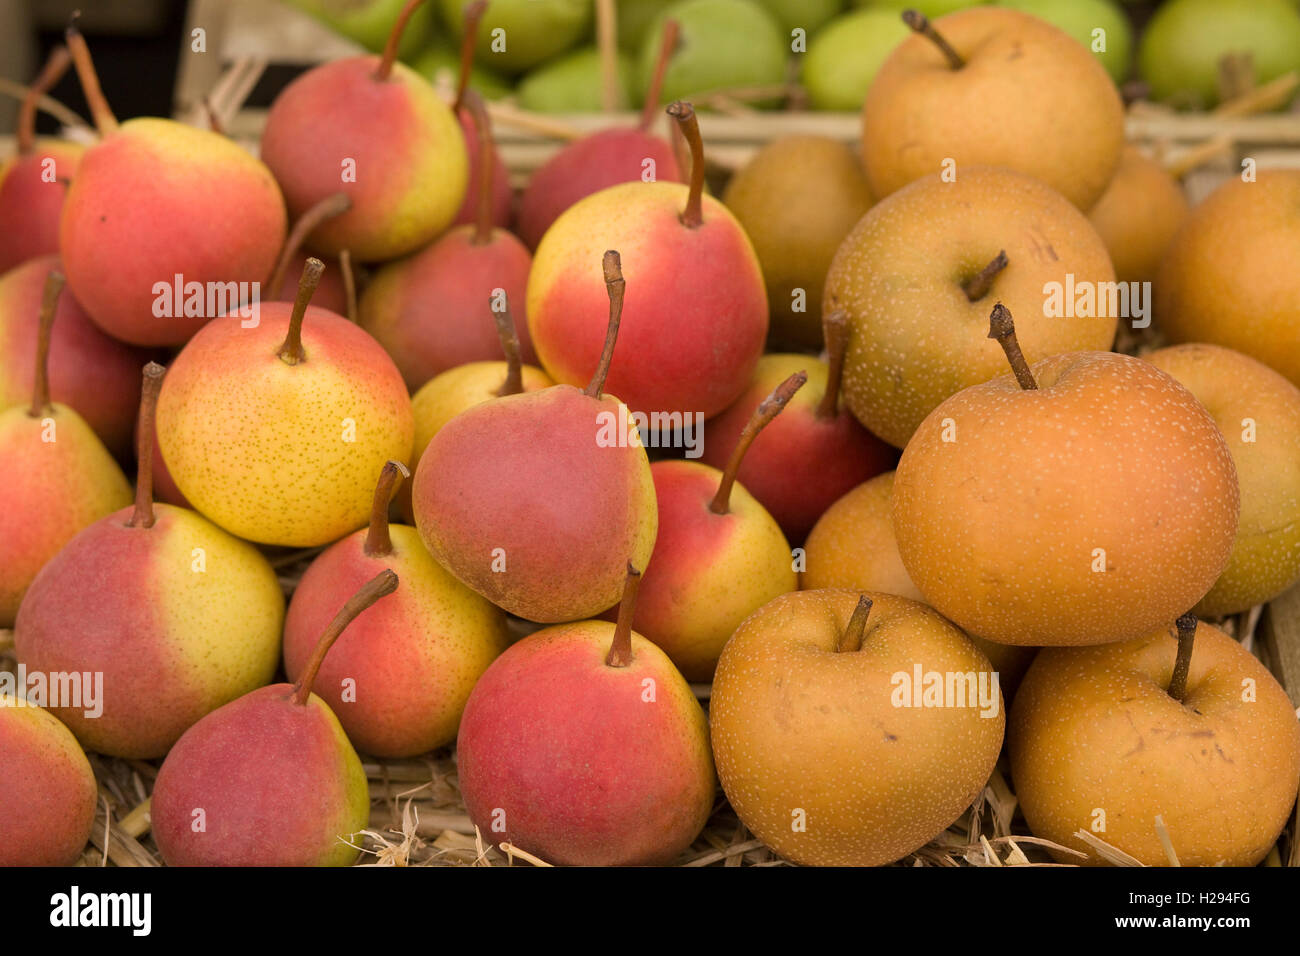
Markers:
843,58
1180,51
634,20
368,22
573,84
931,8
59,478
440,65
271,775
722,45
808,15
516,35
1082,19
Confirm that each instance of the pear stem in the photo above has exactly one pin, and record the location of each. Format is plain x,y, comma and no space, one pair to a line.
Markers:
349,284
921,24
1003,328
394,40
105,121
767,410
473,16
58,63
142,516
620,648
851,639
333,205
41,379
385,582
514,383
978,285
291,352
1183,663
667,46
836,331
693,216
378,542
615,287
486,163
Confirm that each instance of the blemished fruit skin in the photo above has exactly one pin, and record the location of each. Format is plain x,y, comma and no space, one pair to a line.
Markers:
411,659
1228,277
916,336
1094,728
1024,82
1185,40
203,209
97,376
853,546
1259,413
586,166
634,786
277,453
796,200
433,311
708,572
409,157
179,618
522,500
30,204
797,726
1138,216
800,464
695,310
1096,508
50,791
502,195
278,783
51,491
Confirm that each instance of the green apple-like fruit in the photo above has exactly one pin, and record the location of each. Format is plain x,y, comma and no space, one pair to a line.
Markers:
519,34
369,22
844,58
808,15
1193,732
271,775
1081,19
572,84
1183,44
824,752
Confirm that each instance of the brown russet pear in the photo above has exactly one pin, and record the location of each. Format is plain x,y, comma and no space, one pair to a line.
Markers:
797,199
1229,277
59,478
1189,734
537,500
1081,501
1258,412
272,774
1138,215
178,617
830,741
996,87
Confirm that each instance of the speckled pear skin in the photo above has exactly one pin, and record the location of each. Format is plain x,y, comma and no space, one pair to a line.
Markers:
695,312
1029,97
50,492
412,659
525,474
30,206
999,528
632,786
916,337
155,199
260,446
708,571
586,166
278,783
95,375
172,642
1095,728
1236,389
50,790
796,725
411,168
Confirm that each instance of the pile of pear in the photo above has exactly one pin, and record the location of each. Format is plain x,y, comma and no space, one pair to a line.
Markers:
446,423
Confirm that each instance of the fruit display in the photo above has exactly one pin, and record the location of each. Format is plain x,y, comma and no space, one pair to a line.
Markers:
660,433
